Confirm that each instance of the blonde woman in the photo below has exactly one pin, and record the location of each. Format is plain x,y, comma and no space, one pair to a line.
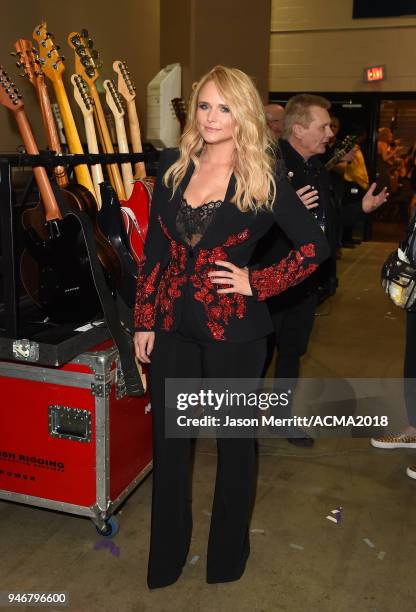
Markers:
200,310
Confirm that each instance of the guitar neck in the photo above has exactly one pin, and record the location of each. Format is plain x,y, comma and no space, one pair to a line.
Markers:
48,198
81,171
106,142
96,170
50,128
123,147
136,141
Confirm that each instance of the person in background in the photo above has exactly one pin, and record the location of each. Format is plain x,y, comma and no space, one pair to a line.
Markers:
407,437
385,156
356,179
306,133
274,118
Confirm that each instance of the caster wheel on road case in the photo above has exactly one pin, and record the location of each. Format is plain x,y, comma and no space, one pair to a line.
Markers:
110,529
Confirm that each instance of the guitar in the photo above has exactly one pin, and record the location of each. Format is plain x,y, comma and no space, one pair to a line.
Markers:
57,274
347,144
77,196
127,90
116,106
136,209
110,216
86,64
31,64
53,67
179,108
86,104
59,126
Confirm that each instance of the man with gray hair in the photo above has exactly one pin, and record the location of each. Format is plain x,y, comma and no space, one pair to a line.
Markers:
306,132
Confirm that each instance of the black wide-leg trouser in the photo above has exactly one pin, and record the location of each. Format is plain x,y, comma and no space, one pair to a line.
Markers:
176,355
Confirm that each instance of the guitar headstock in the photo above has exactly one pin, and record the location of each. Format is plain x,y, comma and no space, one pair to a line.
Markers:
87,59
57,113
124,84
28,58
179,107
9,94
113,99
51,60
82,95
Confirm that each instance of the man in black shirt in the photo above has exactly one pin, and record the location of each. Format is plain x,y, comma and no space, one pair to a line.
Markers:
306,132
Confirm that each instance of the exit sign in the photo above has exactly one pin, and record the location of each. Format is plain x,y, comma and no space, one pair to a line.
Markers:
374,73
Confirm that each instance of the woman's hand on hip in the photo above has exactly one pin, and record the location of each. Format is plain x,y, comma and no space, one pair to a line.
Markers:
236,278
143,345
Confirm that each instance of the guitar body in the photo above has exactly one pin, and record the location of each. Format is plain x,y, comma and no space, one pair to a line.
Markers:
62,285
110,220
135,213
78,197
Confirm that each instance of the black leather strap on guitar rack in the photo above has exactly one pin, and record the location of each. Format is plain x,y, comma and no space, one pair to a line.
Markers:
121,337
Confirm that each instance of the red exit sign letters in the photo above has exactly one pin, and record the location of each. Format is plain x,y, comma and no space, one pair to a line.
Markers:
374,73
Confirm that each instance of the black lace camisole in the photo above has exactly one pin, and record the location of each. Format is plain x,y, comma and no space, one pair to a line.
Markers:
192,223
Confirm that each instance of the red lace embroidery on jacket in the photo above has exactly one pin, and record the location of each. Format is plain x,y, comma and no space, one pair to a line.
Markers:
290,271
144,310
171,283
219,307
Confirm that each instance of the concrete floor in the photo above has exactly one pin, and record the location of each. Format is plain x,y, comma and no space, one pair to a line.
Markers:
300,561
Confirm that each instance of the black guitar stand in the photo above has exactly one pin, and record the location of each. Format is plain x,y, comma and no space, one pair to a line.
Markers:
43,342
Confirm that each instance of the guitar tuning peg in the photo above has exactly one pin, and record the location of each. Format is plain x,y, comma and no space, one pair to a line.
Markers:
18,65
13,53
57,47
62,58
84,33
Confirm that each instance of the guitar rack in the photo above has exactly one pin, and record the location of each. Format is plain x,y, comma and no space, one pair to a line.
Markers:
47,350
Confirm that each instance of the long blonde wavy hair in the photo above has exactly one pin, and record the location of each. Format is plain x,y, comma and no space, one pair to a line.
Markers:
254,159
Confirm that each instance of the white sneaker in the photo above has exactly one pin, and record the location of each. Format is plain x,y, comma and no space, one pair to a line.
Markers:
411,471
399,440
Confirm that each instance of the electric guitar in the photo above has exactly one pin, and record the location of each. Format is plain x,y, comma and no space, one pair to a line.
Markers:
87,63
347,144
86,104
110,214
127,90
53,67
59,126
77,196
179,108
57,274
116,106
136,209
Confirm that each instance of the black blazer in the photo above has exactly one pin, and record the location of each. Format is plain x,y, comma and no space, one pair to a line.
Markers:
169,264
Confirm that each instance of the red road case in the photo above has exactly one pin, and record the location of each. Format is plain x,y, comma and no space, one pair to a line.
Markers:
70,438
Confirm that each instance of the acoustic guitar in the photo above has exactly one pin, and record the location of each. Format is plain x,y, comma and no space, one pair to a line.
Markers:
57,276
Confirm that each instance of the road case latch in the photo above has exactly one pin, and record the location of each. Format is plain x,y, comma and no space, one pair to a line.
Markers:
25,350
